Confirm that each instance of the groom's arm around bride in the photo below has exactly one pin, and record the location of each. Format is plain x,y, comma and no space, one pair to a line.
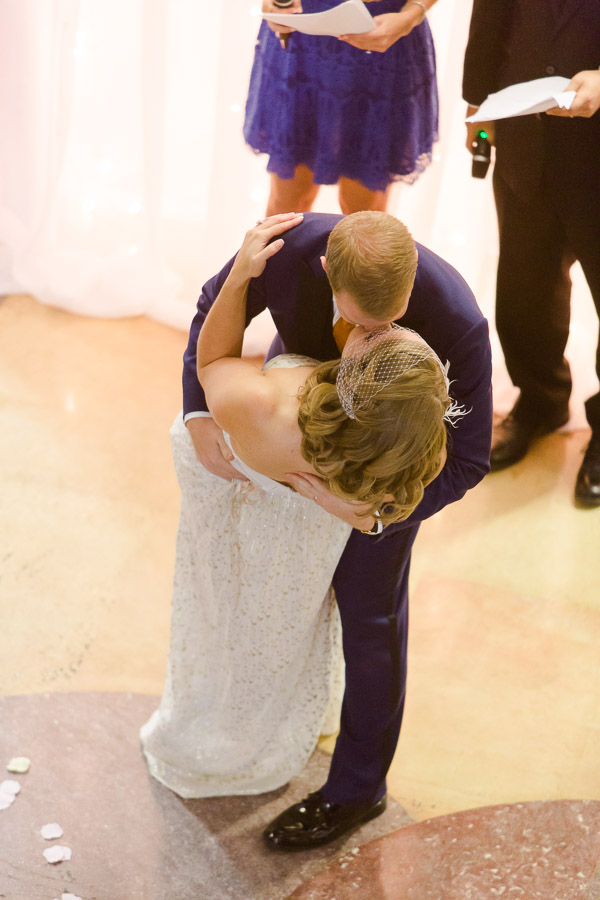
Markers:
371,578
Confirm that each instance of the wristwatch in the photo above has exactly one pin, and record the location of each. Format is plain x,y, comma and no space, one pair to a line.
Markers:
376,527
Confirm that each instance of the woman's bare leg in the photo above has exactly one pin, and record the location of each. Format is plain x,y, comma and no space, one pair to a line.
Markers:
354,197
295,194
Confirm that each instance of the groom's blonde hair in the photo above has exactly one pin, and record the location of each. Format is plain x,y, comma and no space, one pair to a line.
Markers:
372,256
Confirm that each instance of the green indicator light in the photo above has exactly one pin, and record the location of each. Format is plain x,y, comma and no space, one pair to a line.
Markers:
483,134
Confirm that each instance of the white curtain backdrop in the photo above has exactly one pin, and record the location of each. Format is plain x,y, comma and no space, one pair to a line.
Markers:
125,182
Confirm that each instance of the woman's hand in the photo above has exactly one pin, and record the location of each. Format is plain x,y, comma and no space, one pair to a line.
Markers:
222,334
586,101
256,250
315,489
389,28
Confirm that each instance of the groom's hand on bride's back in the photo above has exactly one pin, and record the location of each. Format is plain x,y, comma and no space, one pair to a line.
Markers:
211,449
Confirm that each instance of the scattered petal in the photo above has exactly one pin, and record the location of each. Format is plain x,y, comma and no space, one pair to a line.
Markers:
19,764
10,787
52,831
57,854
6,800
70,897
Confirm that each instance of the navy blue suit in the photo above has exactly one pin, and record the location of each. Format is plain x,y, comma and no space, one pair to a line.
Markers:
371,580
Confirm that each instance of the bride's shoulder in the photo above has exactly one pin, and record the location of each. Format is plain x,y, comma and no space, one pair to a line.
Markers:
251,403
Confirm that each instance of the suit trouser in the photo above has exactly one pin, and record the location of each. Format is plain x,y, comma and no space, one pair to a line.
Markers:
371,586
541,236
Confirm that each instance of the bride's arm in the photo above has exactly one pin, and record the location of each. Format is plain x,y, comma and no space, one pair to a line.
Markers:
223,331
349,511
237,394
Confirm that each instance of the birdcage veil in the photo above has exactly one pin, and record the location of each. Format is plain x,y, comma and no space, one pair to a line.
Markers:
362,374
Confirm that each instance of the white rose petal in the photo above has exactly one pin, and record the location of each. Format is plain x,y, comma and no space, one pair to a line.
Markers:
6,800
70,897
10,787
19,764
52,831
57,854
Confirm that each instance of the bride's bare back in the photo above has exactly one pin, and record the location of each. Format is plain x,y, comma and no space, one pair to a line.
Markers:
259,411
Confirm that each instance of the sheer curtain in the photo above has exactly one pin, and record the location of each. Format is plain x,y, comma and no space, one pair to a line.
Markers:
125,182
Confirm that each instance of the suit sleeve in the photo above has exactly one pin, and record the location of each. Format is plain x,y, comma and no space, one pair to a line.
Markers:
488,33
193,395
469,441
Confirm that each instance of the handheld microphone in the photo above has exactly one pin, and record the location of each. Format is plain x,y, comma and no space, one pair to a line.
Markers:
283,4
482,153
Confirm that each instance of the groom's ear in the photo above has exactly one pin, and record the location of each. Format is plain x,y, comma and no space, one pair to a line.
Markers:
324,263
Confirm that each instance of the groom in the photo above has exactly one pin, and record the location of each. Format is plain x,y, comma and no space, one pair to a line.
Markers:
334,272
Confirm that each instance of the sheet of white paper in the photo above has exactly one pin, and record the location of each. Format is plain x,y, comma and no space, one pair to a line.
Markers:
351,17
524,99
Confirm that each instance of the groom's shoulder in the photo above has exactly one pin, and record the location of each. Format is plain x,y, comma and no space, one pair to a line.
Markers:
310,237
439,285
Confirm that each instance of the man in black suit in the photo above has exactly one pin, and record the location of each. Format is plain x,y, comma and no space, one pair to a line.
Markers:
547,190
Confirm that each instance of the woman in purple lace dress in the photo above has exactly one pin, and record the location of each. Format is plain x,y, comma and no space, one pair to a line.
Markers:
359,112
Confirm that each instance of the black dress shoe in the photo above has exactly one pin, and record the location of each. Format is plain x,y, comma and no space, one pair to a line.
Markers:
315,821
587,485
512,438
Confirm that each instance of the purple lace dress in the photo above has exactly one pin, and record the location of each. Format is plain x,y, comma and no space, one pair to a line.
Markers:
341,111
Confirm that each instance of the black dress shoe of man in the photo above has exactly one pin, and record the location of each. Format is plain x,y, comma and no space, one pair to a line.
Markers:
315,821
512,438
587,485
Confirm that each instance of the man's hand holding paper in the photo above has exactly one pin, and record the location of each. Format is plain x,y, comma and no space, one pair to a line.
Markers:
524,99
586,101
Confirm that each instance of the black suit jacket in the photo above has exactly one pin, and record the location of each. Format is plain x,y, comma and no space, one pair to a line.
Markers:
519,40
442,309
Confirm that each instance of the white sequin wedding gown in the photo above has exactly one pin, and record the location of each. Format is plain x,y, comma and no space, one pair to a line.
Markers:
254,664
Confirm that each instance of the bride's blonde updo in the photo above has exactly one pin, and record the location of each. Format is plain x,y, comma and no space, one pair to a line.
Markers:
396,443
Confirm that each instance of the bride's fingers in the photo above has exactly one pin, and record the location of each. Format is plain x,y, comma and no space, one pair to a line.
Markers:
259,245
270,250
278,224
305,484
278,217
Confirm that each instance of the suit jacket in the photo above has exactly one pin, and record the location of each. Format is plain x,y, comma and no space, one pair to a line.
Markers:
519,40
442,309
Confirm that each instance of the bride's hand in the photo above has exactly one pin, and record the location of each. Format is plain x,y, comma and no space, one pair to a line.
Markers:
315,489
256,249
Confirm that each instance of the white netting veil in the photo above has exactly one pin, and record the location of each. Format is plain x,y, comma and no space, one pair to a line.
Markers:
362,374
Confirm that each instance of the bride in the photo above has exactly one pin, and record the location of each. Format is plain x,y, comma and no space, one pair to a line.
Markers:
253,675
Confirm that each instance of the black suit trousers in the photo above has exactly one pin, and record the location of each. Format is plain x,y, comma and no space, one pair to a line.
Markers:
542,233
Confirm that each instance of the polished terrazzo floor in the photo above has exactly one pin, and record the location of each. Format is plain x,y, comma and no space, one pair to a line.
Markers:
504,689
130,838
